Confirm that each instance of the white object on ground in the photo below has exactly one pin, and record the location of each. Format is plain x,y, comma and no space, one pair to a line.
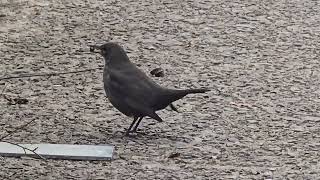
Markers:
59,151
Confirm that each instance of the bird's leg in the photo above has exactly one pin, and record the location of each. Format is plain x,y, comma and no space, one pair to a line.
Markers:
129,129
135,128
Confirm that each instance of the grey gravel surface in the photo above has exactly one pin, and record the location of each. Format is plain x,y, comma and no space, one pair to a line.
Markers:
261,58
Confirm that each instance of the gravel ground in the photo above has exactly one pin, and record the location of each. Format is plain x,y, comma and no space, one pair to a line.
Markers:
261,58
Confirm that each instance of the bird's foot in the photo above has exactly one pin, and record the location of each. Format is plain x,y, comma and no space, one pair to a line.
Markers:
132,132
129,133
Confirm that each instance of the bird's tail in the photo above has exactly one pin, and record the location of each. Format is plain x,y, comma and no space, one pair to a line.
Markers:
193,91
178,94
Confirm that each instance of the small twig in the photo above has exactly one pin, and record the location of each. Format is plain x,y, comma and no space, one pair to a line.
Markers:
2,93
13,101
4,88
49,74
25,149
16,129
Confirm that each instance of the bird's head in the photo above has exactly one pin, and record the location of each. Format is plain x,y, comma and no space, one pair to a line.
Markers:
104,49
110,51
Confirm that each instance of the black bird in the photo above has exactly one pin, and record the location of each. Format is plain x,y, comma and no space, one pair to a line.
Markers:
130,90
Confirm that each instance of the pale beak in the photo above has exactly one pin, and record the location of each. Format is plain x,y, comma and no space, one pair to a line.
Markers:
93,48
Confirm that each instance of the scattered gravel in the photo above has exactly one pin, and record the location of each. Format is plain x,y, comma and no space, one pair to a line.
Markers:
261,58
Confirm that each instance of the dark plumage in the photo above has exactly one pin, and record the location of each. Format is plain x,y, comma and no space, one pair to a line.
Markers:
130,90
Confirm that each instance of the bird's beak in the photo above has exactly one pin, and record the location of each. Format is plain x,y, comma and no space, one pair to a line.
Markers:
95,49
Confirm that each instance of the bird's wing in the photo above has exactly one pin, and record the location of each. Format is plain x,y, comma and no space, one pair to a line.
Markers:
133,86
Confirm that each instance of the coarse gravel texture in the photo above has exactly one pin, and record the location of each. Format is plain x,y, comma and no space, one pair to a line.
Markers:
260,58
